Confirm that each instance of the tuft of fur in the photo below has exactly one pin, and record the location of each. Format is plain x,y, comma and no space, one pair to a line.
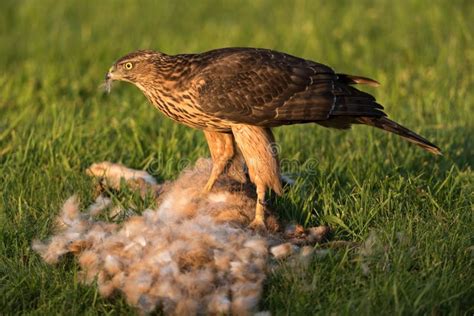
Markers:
100,204
112,174
192,254
283,250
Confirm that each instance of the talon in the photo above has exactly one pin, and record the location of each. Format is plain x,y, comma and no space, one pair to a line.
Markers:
207,188
258,225
263,202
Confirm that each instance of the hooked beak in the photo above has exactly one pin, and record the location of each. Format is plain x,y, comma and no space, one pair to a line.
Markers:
110,74
109,78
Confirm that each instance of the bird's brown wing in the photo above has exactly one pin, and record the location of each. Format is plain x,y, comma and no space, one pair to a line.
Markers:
259,86
267,88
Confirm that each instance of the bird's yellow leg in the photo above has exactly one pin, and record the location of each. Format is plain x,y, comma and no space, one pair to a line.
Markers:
258,222
255,144
217,169
221,146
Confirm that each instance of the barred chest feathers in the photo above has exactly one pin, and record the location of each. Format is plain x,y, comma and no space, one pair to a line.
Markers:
181,106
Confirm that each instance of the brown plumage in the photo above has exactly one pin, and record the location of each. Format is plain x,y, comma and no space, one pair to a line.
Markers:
237,94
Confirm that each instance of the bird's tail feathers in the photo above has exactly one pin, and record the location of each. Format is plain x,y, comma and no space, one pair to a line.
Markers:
351,79
393,127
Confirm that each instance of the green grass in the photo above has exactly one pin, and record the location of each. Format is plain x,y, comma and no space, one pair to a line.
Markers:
55,121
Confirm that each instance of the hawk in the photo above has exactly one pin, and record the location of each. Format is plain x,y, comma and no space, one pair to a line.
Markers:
236,95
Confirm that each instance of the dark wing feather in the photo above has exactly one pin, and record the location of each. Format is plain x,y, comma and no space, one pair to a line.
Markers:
353,102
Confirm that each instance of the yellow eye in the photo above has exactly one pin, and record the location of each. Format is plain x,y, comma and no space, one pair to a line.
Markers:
128,66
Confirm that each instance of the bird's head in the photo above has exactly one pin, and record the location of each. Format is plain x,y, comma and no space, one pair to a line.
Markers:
137,68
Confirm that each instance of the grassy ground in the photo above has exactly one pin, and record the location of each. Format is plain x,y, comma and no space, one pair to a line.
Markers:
416,208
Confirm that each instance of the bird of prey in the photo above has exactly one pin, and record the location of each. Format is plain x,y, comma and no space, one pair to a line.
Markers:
236,95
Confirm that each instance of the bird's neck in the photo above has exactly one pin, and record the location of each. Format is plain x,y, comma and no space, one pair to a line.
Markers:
165,85
170,76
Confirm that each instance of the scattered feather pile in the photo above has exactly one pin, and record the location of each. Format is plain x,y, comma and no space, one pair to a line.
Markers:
191,255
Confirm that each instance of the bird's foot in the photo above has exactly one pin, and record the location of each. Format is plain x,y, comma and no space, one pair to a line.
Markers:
258,225
209,185
207,188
